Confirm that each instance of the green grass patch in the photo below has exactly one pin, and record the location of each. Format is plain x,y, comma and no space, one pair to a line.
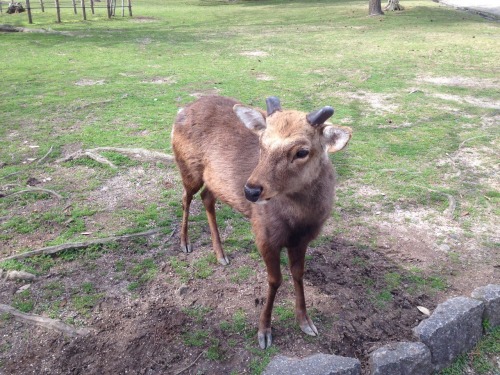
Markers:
23,301
142,273
481,360
242,274
196,338
198,313
85,298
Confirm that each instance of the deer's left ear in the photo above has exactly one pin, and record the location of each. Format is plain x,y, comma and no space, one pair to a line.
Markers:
335,138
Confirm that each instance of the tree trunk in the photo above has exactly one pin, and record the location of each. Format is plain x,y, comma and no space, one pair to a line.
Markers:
393,5
375,8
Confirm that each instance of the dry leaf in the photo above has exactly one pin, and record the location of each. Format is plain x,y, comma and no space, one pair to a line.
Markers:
424,310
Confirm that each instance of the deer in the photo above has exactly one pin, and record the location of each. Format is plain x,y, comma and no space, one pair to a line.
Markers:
273,167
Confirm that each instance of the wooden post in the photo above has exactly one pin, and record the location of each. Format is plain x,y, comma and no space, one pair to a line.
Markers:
123,8
41,6
28,8
83,11
74,6
130,8
92,6
58,8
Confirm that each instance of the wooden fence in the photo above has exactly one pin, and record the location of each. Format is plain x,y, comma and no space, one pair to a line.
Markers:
110,7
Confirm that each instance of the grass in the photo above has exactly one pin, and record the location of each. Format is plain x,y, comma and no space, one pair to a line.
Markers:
481,360
85,298
23,301
95,87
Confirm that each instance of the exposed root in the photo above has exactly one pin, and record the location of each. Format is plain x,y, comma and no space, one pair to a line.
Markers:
15,29
81,245
393,5
52,324
452,204
45,156
187,367
134,153
29,190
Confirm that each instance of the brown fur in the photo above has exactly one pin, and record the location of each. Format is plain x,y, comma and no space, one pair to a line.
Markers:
213,148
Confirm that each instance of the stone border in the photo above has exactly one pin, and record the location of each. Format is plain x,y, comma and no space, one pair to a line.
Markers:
454,328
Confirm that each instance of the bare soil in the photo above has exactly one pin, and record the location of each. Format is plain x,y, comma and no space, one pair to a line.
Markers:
145,332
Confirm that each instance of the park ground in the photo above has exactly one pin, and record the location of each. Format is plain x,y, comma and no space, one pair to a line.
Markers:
416,216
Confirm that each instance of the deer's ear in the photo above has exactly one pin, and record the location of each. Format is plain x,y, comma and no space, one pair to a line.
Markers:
250,117
335,138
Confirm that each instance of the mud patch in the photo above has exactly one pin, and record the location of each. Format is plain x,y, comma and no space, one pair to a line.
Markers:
349,298
131,190
482,103
480,83
143,19
264,77
89,82
254,54
160,80
380,103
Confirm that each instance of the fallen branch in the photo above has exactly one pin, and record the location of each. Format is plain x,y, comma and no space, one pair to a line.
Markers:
52,324
134,153
15,29
470,139
44,156
192,363
50,250
58,196
10,174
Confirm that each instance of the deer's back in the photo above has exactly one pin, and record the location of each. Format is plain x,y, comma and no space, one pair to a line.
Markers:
212,146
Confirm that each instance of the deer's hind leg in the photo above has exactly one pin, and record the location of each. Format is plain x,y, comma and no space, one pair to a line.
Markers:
192,184
209,202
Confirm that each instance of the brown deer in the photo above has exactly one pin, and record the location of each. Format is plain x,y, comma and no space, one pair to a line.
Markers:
274,168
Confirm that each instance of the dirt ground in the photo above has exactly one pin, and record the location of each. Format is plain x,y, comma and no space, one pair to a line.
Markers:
363,284
154,310
144,334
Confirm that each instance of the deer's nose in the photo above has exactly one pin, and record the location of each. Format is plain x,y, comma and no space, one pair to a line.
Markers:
253,192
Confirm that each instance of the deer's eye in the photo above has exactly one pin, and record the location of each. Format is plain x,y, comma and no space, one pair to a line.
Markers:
301,154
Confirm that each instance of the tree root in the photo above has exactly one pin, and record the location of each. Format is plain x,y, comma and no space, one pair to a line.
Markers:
52,324
45,156
192,363
452,203
81,245
57,195
134,153
393,5
14,29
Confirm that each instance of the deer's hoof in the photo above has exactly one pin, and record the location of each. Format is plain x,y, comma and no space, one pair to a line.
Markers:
186,248
265,339
309,328
224,261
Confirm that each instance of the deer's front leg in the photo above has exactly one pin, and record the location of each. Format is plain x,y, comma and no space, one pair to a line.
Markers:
272,260
296,256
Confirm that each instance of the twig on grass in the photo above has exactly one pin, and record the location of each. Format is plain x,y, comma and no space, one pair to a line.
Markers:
134,153
192,363
58,196
452,204
52,324
16,29
45,156
470,139
80,245
10,174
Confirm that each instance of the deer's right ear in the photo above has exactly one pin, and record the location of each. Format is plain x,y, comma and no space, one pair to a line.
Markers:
251,118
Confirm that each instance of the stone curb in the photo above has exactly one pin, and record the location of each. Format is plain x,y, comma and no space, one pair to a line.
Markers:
454,328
